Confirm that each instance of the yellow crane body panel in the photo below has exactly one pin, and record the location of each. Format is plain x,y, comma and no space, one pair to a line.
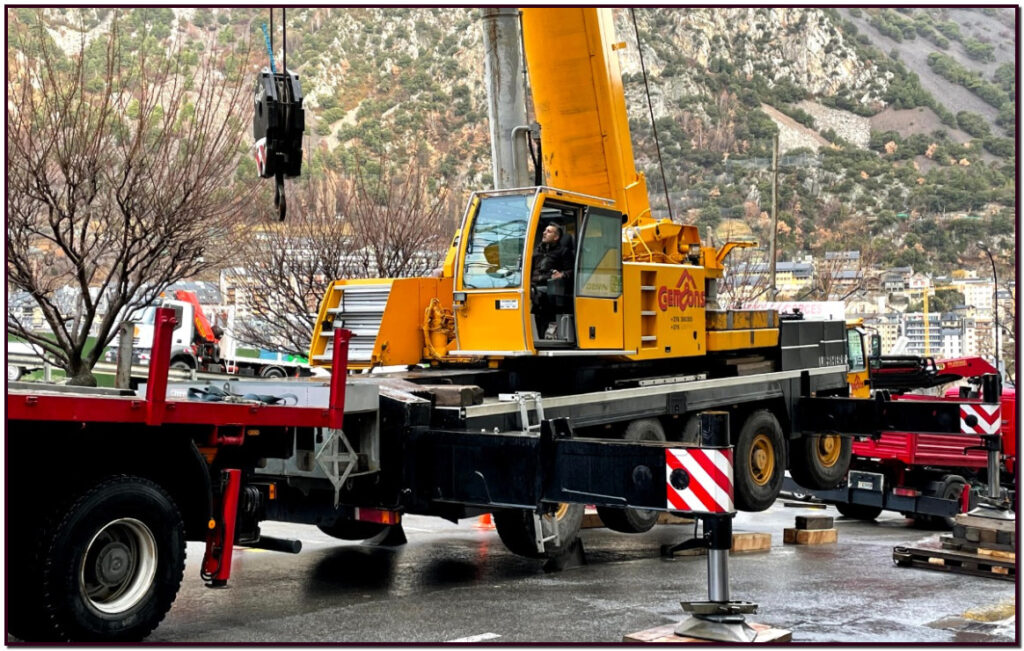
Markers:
386,317
664,310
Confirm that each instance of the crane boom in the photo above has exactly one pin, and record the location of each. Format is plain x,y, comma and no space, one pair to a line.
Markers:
577,93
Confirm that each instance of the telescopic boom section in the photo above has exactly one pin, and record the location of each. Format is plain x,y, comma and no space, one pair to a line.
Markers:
571,55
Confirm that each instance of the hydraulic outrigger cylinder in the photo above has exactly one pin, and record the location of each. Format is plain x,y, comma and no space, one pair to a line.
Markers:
719,618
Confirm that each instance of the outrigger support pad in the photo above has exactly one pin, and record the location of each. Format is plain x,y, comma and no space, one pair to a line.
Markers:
278,124
718,618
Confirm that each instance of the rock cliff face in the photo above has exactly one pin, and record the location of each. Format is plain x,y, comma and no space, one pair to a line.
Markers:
799,45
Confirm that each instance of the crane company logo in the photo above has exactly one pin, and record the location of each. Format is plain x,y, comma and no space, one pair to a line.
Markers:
684,296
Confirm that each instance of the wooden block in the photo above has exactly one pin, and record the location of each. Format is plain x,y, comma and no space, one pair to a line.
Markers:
741,543
997,553
814,522
810,536
671,518
1000,570
455,395
751,542
666,635
987,535
936,561
973,534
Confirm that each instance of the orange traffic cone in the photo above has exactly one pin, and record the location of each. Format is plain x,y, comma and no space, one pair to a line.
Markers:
484,522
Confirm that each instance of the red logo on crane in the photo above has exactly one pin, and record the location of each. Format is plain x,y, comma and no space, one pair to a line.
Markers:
684,296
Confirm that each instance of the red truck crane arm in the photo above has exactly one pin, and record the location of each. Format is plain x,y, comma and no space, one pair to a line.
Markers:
203,327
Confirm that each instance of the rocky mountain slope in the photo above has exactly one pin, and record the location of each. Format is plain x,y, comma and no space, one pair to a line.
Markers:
889,121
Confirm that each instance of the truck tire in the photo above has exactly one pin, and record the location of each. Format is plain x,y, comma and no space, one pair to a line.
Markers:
14,372
634,520
820,461
859,511
759,462
951,488
110,564
274,372
352,529
516,530
181,364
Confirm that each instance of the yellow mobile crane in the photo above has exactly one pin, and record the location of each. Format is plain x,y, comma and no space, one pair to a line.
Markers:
641,285
638,308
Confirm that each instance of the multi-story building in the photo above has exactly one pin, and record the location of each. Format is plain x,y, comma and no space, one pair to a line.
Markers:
977,293
888,328
940,327
896,279
792,278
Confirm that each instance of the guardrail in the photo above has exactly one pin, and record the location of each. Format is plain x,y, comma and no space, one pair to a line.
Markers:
34,362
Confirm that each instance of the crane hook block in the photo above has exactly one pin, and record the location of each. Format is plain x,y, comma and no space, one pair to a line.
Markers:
277,124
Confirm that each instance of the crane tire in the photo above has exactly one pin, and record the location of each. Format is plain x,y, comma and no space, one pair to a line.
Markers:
108,565
859,511
352,529
634,520
516,529
759,462
820,461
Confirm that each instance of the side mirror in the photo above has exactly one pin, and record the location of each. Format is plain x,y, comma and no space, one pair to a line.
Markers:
876,346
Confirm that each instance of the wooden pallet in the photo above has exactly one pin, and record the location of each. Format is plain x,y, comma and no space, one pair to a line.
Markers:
964,545
666,635
985,565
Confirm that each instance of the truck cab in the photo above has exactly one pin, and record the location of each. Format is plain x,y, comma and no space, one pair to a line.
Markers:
187,348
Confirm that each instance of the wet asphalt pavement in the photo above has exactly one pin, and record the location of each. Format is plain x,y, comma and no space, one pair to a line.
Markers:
457,582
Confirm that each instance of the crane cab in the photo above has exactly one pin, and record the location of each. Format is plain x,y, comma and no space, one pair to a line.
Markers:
506,304
506,298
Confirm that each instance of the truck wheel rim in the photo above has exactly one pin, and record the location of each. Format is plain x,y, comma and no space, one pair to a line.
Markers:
563,508
762,460
828,449
119,566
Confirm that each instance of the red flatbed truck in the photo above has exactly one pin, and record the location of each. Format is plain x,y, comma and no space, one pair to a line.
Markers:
919,474
96,550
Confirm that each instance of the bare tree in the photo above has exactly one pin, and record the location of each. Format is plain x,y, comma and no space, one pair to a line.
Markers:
397,219
383,221
746,277
287,266
120,160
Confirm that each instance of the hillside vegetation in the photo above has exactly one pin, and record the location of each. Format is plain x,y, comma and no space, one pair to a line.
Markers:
896,126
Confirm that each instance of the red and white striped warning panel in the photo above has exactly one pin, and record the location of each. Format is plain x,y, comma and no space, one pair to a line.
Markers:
699,480
989,418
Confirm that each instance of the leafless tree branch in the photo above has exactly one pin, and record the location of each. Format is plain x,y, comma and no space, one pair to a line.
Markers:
120,178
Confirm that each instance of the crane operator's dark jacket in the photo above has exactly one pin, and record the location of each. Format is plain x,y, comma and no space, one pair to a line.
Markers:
552,257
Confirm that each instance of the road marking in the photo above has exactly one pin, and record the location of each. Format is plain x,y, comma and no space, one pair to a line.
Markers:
476,638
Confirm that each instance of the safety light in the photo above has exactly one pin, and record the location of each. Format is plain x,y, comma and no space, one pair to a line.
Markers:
694,253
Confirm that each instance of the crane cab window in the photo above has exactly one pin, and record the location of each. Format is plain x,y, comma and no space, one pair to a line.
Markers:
855,345
600,263
494,253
